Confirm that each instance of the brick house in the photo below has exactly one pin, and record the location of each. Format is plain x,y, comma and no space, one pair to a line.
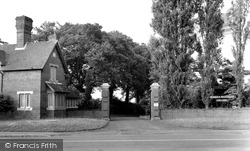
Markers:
33,74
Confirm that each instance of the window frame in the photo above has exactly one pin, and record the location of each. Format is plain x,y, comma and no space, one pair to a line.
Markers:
26,103
53,72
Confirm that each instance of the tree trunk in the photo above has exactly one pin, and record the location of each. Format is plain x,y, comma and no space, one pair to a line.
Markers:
127,95
137,98
88,92
111,91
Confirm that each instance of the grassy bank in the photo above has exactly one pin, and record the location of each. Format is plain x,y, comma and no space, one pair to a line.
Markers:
212,123
52,125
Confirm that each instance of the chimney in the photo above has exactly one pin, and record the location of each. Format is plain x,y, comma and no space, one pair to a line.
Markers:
24,27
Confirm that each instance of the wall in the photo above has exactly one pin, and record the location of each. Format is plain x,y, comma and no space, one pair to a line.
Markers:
6,116
202,113
46,77
84,113
24,81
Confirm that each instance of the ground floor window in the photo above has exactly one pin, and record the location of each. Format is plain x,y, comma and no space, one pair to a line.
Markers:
24,100
72,103
56,100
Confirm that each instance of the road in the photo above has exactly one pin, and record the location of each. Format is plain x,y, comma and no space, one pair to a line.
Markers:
136,134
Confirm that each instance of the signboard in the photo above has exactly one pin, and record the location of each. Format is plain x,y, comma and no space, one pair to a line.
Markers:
221,100
223,97
156,104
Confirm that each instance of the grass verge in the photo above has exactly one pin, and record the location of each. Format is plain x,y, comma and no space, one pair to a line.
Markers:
212,123
52,125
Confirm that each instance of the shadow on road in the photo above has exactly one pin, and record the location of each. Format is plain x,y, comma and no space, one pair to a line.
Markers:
123,117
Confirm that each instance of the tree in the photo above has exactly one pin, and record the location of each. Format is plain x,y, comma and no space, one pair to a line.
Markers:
237,20
140,72
211,33
76,40
120,62
174,22
43,32
2,42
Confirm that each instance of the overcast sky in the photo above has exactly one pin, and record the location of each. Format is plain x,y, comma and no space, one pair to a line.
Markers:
131,17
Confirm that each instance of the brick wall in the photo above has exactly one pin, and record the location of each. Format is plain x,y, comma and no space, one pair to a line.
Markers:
46,77
84,113
202,113
24,81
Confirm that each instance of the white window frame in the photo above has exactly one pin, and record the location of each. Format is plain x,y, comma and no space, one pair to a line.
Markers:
27,100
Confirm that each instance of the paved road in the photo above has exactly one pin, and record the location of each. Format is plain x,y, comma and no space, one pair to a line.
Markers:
136,134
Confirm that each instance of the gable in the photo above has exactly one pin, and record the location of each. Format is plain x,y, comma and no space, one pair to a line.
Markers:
33,57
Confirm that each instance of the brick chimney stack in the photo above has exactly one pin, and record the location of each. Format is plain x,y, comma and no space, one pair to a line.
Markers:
24,27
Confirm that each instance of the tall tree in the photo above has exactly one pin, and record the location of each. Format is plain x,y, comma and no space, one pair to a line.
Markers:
118,61
76,40
237,20
211,33
174,22
140,72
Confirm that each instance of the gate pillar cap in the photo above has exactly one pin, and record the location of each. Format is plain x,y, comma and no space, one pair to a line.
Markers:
155,85
105,85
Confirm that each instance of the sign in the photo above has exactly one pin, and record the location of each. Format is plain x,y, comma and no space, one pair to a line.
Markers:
223,97
156,104
221,100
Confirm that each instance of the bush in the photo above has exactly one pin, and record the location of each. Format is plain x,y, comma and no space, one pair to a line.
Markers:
6,105
90,104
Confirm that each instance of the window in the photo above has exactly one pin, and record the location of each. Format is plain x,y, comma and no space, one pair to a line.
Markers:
24,102
56,101
53,69
72,103
50,99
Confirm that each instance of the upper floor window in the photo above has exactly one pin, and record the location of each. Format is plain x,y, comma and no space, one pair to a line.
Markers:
53,69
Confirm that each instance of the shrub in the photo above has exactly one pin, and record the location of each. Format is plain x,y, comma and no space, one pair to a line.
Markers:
90,104
6,105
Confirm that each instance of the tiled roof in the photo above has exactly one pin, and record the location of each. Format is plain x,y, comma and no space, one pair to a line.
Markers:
72,95
58,88
34,56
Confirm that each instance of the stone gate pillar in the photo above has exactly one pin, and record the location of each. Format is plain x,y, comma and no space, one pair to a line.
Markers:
105,101
155,101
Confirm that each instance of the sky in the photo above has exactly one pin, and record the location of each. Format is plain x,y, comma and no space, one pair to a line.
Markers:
131,17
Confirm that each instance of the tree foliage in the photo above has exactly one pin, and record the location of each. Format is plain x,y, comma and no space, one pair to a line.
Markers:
210,24
174,22
109,57
237,20
122,63
76,40
6,104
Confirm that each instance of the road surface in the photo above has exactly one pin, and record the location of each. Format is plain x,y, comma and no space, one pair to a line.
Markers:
136,134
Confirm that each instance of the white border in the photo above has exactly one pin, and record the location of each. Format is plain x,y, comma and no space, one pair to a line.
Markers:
21,92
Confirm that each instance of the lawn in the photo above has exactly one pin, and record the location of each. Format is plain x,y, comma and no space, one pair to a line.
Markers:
52,125
212,123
